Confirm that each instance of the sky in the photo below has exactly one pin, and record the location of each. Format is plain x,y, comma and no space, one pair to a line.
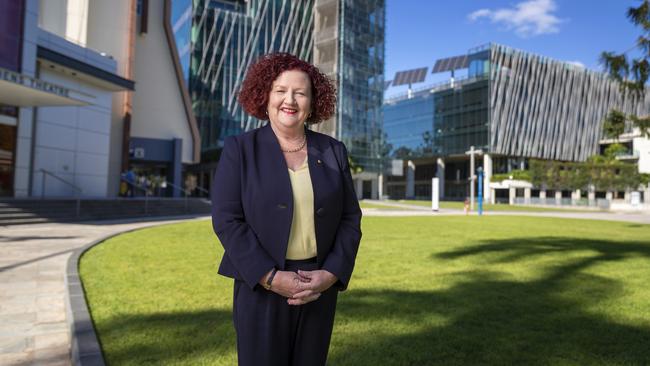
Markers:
418,32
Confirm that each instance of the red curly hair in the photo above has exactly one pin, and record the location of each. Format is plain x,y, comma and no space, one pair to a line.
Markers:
254,93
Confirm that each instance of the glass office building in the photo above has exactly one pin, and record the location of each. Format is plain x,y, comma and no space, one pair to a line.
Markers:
361,80
511,104
344,38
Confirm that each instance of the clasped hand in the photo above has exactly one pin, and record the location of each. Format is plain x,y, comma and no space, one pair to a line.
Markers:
302,287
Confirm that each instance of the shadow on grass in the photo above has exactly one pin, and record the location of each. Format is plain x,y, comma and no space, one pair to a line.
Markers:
489,318
515,249
484,318
199,337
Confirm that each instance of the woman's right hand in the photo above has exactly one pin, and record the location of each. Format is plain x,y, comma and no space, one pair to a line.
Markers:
286,283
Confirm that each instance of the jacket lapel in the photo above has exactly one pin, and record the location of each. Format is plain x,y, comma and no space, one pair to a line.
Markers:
276,185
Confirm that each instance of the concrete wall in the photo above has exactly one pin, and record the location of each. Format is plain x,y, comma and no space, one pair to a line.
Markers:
73,142
642,146
158,110
65,18
109,31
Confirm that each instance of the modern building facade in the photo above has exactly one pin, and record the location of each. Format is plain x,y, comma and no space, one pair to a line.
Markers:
71,120
512,105
344,38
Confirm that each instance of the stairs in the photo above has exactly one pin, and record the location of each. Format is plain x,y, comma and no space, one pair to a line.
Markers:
30,211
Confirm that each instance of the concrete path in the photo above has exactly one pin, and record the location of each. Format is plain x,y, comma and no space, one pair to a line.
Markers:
415,210
33,327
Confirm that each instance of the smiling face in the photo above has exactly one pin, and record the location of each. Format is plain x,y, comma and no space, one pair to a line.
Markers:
290,100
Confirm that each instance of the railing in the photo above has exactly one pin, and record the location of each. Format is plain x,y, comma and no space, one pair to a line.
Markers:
146,193
75,187
432,88
203,190
185,192
566,202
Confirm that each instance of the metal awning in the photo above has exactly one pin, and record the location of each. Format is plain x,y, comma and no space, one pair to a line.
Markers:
25,91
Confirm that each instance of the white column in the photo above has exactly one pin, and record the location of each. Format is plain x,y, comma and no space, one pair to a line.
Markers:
575,196
440,174
487,177
527,196
591,195
359,188
542,196
558,197
380,186
512,193
493,195
23,167
646,195
609,196
410,179
626,197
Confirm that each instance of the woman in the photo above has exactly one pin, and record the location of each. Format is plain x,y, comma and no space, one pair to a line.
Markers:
285,211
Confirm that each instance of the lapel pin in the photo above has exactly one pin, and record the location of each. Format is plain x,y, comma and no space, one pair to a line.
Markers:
319,162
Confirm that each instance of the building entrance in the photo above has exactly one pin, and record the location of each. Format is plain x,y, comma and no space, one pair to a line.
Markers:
7,154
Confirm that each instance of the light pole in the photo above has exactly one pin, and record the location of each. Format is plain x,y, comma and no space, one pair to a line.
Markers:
472,152
480,191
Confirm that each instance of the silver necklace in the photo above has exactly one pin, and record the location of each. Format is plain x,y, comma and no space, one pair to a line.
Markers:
304,141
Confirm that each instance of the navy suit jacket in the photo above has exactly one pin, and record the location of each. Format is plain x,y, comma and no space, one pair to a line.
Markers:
252,205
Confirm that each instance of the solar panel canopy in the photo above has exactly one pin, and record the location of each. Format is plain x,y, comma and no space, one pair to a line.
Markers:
410,76
450,63
387,83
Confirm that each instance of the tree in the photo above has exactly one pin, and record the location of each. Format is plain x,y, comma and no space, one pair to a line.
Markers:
614,124
614,150
633,73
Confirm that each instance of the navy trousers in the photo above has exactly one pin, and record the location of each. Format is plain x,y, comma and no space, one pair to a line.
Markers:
274,333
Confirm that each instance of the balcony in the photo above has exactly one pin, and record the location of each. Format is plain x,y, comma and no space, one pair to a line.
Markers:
326,34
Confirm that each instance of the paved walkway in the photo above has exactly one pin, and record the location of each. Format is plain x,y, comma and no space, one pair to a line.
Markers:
33,327
641,217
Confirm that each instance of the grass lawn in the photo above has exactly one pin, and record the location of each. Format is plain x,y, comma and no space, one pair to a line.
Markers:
489,207
441,290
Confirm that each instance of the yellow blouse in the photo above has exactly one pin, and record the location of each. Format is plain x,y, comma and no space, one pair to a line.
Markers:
302,239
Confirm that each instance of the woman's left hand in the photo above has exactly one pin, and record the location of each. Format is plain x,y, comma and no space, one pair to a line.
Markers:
312,284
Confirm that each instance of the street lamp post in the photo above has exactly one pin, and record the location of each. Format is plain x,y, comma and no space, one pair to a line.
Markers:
472,153
480,191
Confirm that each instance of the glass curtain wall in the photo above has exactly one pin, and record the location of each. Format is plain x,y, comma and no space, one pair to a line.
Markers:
461,118
181,21
408,125
227,37
361,80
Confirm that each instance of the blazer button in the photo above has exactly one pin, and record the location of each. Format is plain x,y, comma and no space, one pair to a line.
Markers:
282,205
320,211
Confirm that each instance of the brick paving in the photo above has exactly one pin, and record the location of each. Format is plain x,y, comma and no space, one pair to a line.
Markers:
33,258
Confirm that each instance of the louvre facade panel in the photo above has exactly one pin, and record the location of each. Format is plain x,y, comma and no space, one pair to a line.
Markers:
542,108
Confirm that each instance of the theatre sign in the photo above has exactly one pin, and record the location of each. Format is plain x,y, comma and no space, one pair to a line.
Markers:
25,91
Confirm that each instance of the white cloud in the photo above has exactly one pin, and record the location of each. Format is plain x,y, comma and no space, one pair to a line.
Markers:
577,63
527,18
